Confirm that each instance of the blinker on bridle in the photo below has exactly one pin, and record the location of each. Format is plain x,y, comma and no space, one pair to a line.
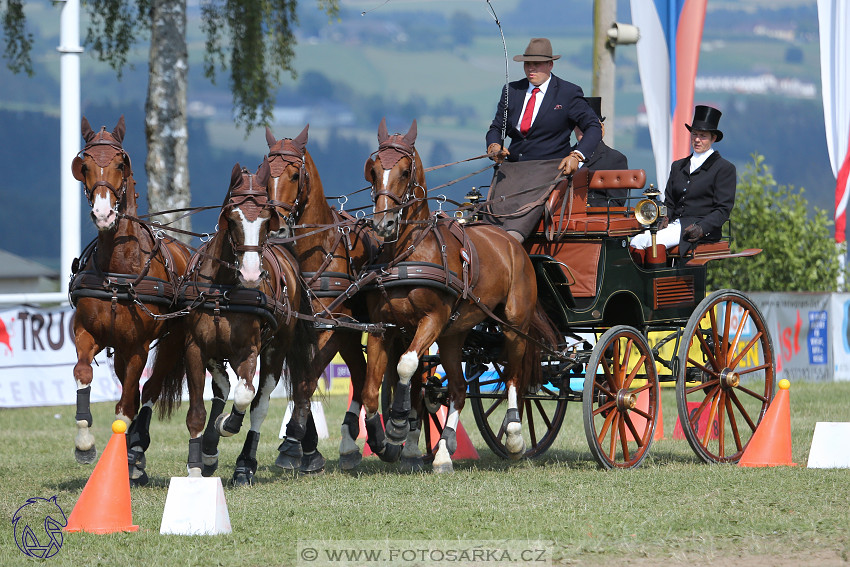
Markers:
296,208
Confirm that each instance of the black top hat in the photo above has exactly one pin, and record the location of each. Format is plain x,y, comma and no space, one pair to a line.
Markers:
595,103
706,118
539,49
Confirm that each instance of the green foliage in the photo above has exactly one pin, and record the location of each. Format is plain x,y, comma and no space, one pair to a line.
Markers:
18,40
114,28
798,249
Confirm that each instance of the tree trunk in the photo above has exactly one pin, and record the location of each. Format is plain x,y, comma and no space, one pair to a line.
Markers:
167,164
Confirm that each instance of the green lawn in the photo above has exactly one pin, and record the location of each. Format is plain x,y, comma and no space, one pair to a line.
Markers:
671,510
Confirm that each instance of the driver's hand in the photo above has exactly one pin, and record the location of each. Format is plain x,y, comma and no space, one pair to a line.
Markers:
497,152
692,233
570,163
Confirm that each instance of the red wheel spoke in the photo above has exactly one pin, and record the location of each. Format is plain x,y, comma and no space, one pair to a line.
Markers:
709,354
637,437
702,386
605,425
693,419
721,425
764,366
542,411
733,424
607,406
628,381
496,403
624,442
711,413
734,345
530,418
756,395
745,350
743,410
724,344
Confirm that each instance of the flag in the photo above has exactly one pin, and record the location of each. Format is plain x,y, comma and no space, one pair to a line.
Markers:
834,24
668,55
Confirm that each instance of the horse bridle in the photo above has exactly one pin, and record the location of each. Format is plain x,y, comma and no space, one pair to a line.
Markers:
296,208
410,190
261,199
117,192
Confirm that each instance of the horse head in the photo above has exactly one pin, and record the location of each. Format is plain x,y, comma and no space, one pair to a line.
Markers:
292,174
395,172
247,218
105,171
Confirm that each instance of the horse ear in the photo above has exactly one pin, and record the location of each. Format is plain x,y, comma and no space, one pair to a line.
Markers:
300,141
263,173
367,170
120,129
235,179
85,128
382,131
270,137
410,137
77,168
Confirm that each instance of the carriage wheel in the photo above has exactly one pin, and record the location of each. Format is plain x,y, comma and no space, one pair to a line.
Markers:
621,398
726,376
541,412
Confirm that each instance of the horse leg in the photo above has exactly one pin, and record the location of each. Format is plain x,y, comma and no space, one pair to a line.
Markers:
514,348
246,462
450,358
130,369
352,354
138,441
376,353
209,444
243,394
196,416
85,451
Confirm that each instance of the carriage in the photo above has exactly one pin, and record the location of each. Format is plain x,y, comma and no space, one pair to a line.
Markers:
630,320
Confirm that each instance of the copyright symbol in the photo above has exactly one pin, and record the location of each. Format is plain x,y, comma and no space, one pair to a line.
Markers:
309,554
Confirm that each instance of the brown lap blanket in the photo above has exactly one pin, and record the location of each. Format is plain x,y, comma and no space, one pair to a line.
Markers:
515,212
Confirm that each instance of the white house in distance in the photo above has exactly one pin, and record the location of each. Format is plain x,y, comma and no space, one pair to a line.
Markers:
19,275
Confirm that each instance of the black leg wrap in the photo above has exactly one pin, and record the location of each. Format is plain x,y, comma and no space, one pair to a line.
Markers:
450,437
246,463
84,405
352,420
138,434
512,416
375,433
311,436
295,430
194,461
397,427
234,423
211,434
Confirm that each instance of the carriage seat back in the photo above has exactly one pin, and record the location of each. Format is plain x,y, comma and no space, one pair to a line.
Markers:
566,213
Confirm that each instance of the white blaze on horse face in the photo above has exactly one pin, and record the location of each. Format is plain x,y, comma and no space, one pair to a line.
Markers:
102,212
250,269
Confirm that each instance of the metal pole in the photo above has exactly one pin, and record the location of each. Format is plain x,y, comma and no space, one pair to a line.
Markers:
69,126
604,15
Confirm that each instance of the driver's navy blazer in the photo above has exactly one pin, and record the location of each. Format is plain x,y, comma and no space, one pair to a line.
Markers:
562,109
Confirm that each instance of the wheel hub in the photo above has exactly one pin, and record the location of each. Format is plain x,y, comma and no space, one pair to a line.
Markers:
626,400
729,378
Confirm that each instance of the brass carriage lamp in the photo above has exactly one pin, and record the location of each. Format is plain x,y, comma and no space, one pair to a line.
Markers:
472,199
649,211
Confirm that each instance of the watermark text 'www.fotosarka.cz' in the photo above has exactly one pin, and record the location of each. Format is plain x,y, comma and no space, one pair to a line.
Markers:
370,553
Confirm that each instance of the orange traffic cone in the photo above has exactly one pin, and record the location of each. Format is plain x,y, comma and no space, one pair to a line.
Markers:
465,448
770,445
640,421
104,505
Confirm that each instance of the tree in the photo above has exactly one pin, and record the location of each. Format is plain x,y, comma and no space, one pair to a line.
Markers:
254,38
798,249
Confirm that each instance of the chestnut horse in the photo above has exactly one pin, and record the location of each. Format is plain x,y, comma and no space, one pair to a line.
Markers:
330,261
244,299
124,281
433,288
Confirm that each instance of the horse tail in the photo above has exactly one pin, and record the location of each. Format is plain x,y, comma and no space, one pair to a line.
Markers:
169,368
302,348
542,332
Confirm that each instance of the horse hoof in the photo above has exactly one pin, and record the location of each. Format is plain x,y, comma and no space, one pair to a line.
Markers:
411,464
349,461
194,472
242,477
86,457
140,480
312,463
288,462
210,464
443,468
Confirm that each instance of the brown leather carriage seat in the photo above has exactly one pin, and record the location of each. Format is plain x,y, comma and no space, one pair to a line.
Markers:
567,213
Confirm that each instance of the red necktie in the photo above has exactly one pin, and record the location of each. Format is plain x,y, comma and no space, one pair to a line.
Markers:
525,125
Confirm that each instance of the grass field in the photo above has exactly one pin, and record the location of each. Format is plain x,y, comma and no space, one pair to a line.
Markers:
672,510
